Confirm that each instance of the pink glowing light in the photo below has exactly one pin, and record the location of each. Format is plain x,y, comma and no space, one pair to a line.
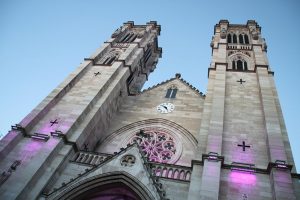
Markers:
158,146
40,136
57,134
242,178
213,156
46,129
243,167
281,166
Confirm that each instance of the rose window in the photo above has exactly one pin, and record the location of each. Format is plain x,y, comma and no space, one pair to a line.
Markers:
158,145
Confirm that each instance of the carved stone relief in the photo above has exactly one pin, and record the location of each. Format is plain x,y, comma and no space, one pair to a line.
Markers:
223,32
253,32
128,160
238,51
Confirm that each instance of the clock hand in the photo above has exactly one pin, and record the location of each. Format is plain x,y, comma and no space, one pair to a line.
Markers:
165,107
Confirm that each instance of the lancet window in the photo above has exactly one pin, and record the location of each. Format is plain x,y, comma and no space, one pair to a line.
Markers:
239,65
129,37
171,92
234,39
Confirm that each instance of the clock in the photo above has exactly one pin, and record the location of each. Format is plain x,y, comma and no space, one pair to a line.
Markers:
165,108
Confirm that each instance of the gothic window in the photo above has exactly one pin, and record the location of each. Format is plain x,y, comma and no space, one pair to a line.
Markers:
246,39
171,93
109,60
158,145
234,39
129,37
148,54
233,65
131,77
241,39
229,39
239,65
245,66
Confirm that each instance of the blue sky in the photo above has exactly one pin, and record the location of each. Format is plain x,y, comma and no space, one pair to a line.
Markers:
41,42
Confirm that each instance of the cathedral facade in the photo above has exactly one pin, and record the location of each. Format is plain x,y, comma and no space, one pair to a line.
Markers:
98,136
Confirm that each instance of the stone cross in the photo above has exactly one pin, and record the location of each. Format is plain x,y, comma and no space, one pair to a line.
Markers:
241,81
53,122
96,74
244,146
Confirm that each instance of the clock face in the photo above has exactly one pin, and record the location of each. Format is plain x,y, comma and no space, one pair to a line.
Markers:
165,108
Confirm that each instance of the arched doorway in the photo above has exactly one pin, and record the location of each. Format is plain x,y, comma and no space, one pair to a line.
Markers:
115,191
118,185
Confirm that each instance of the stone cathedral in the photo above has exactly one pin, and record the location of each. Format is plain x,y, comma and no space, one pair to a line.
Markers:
97,136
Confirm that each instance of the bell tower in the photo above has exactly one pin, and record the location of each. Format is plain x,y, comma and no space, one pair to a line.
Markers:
73,116
242,121
98,136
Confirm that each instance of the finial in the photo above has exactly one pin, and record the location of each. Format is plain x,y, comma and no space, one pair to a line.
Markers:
177,75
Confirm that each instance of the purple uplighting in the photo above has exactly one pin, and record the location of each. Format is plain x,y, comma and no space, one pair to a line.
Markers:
46,129
40,136
242,178
158,146
243,167
57,134
212,156
281,164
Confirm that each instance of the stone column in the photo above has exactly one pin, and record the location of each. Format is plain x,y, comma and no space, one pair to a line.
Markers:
210,185
281,180
195,183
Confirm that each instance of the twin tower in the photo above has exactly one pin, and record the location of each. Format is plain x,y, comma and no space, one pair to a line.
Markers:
98,136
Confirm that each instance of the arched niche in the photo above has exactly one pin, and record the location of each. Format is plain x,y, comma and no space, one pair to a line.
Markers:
175,144
240,61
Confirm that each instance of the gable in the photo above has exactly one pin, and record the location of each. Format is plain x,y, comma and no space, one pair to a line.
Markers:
127,169
183,87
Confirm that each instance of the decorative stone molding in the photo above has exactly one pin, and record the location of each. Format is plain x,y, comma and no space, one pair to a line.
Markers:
223,33
128,160
240,55
158,139
175,172
106,173
89,158
158,144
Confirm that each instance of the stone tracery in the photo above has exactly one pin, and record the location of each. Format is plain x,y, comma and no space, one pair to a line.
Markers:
159,146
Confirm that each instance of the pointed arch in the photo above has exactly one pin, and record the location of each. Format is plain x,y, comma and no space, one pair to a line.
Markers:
241,39
129,37
182,175
94,185
233,65
160,131
234,39
109,57
171,92
229,38
239,64
164,172
240,61
176,174
246,39
188,176
170,173
245,66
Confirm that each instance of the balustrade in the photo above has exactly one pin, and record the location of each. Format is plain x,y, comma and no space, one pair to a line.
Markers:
171,171
90,158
